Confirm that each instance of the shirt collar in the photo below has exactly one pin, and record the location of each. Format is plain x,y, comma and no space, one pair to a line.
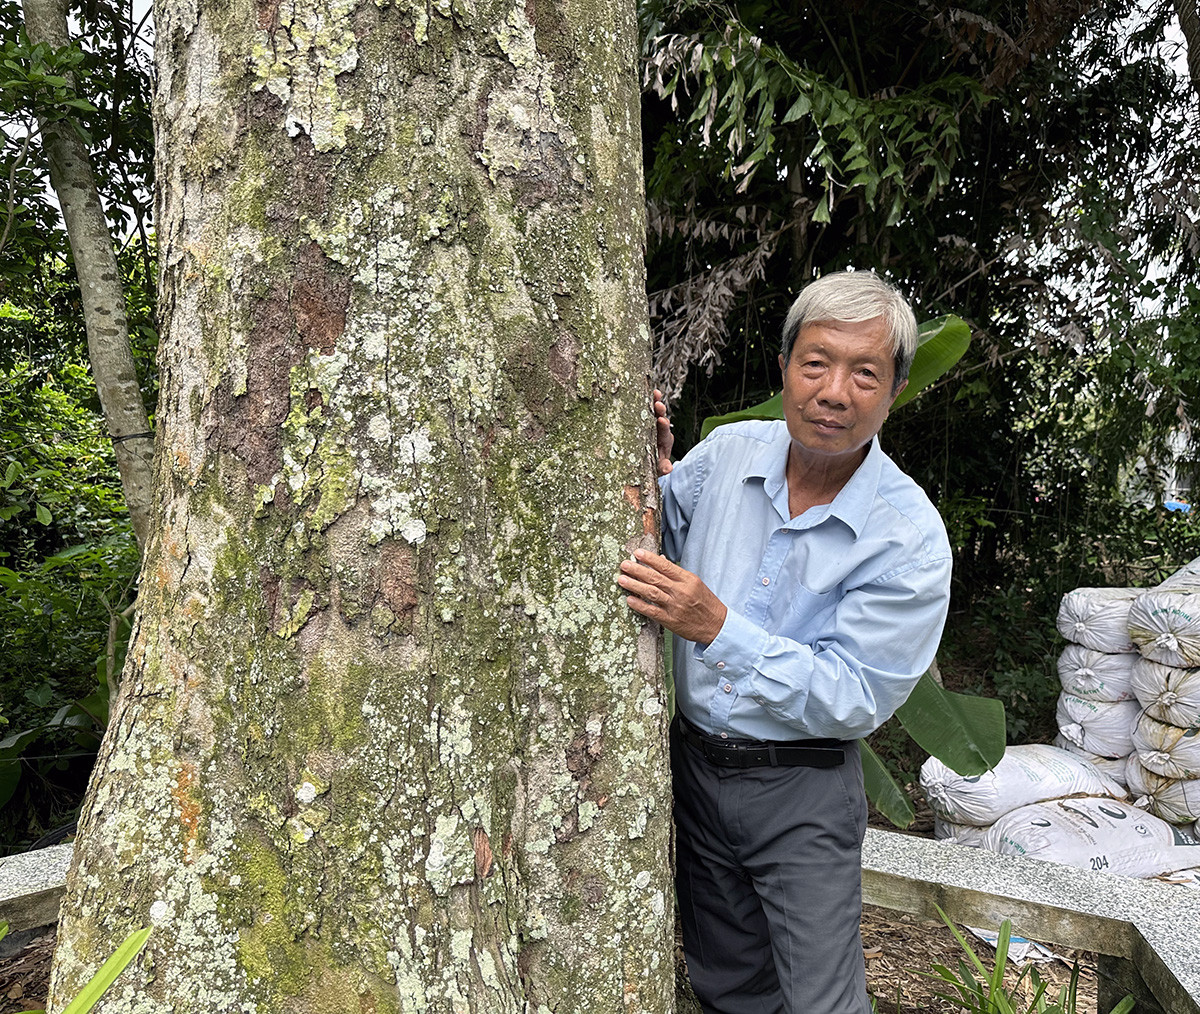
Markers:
853,503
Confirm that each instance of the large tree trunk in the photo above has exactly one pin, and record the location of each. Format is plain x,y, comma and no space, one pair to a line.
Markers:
100,286
388,739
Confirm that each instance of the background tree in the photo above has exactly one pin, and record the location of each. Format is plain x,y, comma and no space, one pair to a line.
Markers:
1189,23
387,735
65,146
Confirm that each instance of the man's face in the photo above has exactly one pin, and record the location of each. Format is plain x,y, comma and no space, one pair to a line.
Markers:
837,388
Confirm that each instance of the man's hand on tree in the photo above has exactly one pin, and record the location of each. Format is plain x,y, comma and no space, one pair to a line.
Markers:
662,427
666,593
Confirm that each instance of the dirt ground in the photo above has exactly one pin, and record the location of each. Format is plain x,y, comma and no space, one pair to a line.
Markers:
25,977
898,948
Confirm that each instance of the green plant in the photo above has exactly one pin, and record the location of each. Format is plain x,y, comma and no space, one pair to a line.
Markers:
70,618
68,564
99,983
980,990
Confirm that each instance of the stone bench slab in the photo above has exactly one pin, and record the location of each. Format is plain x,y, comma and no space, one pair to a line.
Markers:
1154,925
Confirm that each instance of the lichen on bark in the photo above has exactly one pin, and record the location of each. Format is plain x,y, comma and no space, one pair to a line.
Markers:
387,731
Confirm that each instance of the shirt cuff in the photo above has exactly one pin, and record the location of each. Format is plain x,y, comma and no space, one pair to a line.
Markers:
736,649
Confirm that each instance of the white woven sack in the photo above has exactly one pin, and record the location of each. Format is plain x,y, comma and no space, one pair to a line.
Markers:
1167,749
1165,625
1176,800
1099,727
1025,774
1114,767
1096,675
1098,617
1104,835
960,834
1187,576
1170,694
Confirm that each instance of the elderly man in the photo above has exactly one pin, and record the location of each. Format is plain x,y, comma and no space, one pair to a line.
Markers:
809,593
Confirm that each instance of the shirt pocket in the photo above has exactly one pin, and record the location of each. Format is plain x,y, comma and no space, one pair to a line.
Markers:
808,611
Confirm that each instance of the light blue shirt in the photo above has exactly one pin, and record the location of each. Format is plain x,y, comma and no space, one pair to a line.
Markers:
833,616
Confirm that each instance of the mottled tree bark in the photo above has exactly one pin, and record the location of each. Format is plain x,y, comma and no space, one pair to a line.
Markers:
388,740
100,286
1189,22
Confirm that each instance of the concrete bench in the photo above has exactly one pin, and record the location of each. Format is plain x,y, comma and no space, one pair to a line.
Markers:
31,886
1146,933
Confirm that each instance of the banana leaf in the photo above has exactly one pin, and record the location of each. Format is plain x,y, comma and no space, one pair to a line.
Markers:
966,733
884,792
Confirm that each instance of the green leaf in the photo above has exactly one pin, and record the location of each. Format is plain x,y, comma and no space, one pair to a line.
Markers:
797,109
964,732
43,515
772,408
943,340
883,791
98,985
11,746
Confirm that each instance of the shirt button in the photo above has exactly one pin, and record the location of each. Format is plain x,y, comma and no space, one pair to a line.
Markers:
720,665
728,687
766,580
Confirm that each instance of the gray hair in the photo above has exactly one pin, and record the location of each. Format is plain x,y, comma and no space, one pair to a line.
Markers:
850,297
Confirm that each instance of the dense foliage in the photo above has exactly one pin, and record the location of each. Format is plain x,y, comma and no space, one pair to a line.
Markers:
67,569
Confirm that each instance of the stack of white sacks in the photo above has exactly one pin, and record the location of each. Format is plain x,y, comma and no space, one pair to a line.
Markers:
1164,772
1128,716
1097,706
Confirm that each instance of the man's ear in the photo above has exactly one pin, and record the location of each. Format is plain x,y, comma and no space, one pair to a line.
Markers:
899,390
783,366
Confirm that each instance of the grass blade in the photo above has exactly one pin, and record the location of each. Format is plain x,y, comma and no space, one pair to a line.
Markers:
98,984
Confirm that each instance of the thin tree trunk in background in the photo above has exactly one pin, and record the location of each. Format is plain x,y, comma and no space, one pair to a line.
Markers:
388,739
1189,21
100,286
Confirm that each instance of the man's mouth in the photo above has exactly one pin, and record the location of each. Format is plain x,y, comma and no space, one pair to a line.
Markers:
827,424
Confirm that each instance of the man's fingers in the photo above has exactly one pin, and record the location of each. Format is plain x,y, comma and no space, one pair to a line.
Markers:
657,563
644,586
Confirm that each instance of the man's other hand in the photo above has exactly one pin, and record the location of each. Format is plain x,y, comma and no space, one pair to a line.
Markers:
666,593
662,427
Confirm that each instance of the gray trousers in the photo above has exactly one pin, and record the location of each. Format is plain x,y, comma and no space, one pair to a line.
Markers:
769,881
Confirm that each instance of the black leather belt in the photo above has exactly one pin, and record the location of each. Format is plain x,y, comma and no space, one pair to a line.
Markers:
749,753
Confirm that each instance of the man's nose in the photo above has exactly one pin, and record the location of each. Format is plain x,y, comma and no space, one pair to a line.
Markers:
835,389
